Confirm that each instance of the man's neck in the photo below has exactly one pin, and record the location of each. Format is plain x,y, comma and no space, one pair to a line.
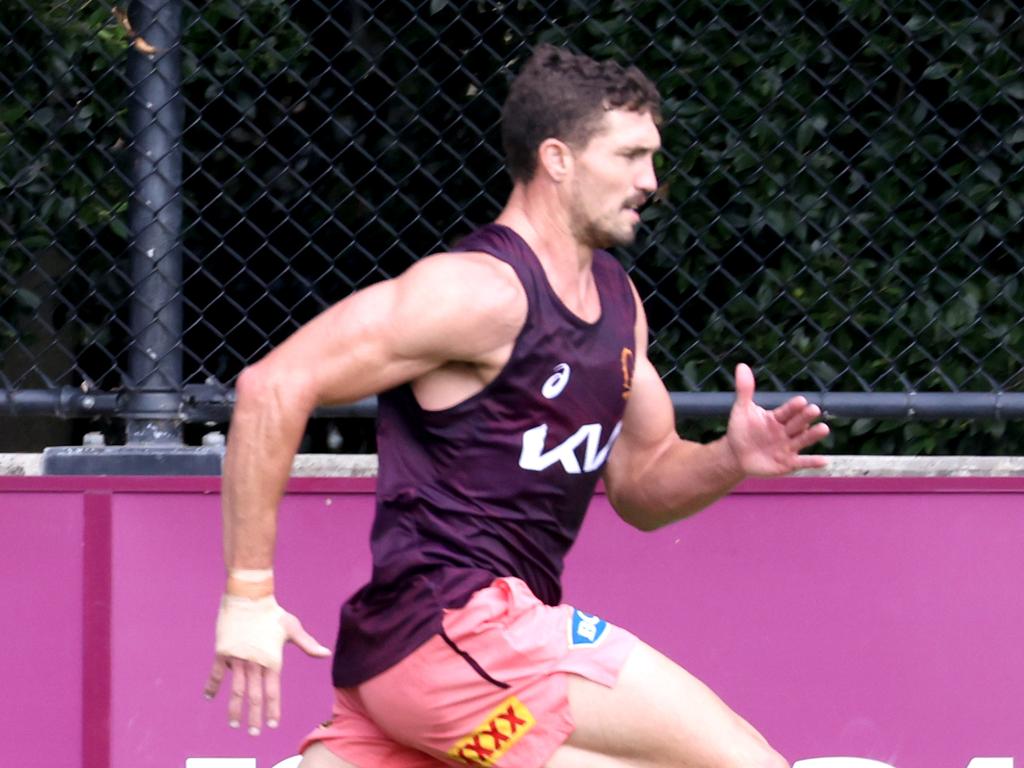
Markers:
566,262
541,221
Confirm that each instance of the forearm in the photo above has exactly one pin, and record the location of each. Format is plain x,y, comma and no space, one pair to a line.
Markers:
265,432
678,482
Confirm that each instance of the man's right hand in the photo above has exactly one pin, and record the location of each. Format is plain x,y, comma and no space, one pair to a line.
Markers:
251,633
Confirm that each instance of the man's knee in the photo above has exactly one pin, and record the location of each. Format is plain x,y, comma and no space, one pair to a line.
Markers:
761,756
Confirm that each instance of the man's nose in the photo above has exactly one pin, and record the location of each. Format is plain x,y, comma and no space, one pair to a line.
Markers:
647,180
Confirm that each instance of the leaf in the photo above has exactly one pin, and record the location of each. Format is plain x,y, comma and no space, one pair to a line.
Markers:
804,133
29,299
117,226
781,220
991,171
917,22
937,71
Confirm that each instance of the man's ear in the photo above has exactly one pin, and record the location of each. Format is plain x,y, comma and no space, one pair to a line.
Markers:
555,159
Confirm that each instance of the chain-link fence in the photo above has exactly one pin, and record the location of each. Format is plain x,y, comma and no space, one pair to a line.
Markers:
182,184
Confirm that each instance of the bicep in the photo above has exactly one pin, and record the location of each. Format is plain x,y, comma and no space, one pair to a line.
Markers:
393,332
353,349
648,427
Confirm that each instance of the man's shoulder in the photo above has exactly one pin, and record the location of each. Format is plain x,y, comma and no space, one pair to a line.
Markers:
476,273
473,284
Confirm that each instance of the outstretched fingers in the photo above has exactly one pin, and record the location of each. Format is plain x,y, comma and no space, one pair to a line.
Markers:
272,690
220,666
768,443
256,629
813,434
237,698
792,458
809,461
799,419
298,635
745,385
797,415
795,408
265,699
254,675
255,690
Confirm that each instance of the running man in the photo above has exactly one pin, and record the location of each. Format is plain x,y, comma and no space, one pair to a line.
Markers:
512,374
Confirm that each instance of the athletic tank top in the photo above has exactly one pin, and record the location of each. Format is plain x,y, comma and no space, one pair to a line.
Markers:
497,485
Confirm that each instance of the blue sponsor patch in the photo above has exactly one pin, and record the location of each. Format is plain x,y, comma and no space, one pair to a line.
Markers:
585,630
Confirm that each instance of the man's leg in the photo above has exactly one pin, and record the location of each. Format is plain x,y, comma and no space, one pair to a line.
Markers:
319,756
657,715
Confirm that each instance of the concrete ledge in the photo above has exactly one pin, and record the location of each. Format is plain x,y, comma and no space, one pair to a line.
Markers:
335,465
920,466
15,464
305,465
365,465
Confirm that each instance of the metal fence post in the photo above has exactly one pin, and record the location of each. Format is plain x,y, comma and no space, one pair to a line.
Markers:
154,402
155,214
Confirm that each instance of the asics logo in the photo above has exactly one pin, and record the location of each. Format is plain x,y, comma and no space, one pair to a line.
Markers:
556,382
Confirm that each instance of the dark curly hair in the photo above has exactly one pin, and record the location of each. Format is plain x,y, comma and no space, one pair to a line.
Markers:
562,95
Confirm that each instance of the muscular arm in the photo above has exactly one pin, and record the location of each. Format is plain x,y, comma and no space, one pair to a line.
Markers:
448,308
448,323
654,477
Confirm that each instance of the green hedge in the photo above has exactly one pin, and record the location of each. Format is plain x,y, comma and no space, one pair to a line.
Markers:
842,183
63,199
844,199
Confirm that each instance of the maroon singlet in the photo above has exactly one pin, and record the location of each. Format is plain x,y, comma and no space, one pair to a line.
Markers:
497,485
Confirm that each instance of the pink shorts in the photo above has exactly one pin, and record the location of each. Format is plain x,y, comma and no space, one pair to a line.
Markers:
491,690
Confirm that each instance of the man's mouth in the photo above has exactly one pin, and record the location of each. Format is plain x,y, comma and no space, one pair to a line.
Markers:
637,204
634,207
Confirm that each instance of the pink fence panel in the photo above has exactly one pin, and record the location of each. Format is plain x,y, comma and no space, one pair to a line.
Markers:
872,618
42,646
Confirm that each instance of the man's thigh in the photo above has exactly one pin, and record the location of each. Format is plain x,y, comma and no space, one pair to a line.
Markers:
657,714
319,756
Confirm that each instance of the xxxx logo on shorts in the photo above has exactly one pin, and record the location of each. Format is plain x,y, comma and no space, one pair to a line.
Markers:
505,725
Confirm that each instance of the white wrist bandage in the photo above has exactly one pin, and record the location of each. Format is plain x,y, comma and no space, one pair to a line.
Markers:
251,575
252,630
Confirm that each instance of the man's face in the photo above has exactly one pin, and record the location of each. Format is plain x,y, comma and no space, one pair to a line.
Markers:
613,176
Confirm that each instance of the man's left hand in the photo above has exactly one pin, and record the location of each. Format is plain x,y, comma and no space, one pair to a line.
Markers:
768,443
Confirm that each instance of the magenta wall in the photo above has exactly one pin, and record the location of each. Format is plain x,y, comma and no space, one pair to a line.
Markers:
871,618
